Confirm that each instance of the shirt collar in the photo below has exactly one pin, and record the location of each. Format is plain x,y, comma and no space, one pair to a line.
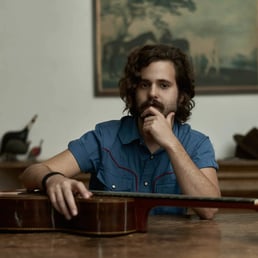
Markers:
129,130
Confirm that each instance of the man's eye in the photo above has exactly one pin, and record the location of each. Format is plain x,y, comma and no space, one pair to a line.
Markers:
164,85
144,85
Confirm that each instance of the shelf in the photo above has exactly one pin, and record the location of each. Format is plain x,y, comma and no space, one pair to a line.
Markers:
238,177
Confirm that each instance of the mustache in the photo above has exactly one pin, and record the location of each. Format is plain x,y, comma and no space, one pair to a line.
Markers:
151,103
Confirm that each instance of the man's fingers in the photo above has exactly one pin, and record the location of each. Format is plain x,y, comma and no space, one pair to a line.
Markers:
62,196
150,111
59,203
69,202
81,189
170,118
77,187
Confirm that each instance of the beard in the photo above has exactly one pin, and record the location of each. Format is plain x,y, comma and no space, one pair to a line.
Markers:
156,104
165,110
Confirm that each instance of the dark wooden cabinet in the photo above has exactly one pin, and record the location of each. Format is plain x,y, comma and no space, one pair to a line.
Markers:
238,177
10,172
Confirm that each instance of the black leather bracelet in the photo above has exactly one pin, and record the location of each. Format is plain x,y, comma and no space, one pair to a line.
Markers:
45,178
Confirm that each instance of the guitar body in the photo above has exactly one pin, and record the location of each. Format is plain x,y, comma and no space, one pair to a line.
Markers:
101,216
24,212
98,215
104,214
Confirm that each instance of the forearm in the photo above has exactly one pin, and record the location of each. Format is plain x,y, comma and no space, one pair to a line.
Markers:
192,180
32,177
63,162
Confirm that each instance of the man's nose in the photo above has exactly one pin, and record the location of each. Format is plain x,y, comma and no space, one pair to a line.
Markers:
153,91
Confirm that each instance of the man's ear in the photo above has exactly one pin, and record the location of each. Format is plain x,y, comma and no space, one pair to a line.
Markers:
181,98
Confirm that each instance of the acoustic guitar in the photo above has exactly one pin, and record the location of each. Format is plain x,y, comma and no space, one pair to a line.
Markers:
104,214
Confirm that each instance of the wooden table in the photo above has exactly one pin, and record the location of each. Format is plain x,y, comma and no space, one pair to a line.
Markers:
228,235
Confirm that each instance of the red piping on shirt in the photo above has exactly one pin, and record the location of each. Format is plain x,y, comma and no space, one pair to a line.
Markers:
124,168
158,177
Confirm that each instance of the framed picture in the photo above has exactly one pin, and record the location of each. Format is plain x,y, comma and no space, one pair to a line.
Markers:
220,38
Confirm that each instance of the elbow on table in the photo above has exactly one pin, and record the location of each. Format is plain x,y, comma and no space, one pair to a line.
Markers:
207,213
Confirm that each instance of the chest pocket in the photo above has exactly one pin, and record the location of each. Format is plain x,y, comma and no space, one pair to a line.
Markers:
117,180
167,183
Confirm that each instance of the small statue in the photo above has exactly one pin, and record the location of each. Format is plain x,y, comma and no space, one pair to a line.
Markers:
15,142
35,151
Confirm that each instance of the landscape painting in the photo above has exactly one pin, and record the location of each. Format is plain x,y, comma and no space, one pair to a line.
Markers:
220,38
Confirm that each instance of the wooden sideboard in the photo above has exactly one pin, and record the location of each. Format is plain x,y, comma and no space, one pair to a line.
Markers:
237,177
10,172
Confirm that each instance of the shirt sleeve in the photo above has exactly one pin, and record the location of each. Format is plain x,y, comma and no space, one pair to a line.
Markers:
204,155
86,151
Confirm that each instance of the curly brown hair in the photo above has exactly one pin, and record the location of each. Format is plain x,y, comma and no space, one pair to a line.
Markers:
141,57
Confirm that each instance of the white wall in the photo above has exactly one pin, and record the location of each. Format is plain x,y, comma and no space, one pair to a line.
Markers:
46,68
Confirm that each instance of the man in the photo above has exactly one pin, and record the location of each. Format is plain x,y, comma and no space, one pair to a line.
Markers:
150,150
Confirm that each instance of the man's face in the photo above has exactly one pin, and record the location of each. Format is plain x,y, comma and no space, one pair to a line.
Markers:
157,88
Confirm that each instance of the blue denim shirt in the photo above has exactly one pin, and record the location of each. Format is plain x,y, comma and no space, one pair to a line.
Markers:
118,160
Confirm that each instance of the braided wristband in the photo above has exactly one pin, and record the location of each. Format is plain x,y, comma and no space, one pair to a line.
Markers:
45,178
